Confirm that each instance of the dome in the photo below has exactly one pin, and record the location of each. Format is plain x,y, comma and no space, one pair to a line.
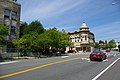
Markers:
84,25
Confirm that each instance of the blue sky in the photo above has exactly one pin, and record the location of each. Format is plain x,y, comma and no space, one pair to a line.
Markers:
102,17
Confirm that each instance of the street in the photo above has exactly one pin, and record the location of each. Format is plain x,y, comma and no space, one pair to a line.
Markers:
72,67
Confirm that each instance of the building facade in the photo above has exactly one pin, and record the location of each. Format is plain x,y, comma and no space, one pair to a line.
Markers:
82,39
10,16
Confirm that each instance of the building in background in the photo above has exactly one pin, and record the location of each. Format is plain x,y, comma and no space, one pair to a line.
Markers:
10,16
82,39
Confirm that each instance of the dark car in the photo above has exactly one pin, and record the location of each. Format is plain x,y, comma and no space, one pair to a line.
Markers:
97,55
72,51
107,50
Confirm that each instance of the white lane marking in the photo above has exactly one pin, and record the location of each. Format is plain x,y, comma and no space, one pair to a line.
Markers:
8,62
64,56
106,60
85,59
96,77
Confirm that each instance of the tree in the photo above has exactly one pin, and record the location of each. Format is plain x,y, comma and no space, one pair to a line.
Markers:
59,39
36,39
97,45
23,26
111,44
35,26
3,34
101,42
29,35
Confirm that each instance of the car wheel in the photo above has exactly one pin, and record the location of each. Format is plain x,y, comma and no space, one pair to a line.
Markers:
105,57
102,59
91,59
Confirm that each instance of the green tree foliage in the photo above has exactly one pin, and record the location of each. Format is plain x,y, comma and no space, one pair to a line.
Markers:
101,42
97,45
106,44
53,39
34,26
3,33
111,44
36,38
23,26
29,35
59,39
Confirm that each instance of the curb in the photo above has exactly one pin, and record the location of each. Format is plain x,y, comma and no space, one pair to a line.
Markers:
8,62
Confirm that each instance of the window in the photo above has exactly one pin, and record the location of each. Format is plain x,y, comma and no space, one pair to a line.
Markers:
81,39
7,13
14,23
75,39
14,15
12,31
82,36
78,40
85,37
7,21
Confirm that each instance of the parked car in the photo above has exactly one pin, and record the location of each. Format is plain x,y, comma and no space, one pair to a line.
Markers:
97,55
107,50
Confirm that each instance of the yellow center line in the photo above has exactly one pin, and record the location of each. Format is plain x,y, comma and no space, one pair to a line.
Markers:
34,68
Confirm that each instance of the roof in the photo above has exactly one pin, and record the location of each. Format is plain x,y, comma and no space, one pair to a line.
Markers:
84,25
76,32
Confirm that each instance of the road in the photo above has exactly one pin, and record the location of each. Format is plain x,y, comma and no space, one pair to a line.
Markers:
73,67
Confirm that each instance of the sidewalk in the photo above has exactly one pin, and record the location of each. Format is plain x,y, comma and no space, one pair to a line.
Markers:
8,62
79,53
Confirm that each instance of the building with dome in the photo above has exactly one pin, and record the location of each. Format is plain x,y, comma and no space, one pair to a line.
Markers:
82,39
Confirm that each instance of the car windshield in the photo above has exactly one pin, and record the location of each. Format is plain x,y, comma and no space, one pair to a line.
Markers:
96,51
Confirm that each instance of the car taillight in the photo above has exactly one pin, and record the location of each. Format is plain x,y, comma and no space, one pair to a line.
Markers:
99,55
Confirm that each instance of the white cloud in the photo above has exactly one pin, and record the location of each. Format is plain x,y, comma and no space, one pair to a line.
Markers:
50,9
107,32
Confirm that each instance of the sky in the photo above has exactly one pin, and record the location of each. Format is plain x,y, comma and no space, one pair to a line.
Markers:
101,16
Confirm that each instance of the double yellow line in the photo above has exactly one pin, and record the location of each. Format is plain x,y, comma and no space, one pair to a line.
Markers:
34,68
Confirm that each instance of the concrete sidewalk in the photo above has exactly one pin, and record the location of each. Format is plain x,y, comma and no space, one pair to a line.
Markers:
79,53
1,63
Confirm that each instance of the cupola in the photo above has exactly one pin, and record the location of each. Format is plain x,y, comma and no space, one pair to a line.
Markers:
84,27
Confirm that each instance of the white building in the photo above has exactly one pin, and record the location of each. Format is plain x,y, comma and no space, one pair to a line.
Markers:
82,39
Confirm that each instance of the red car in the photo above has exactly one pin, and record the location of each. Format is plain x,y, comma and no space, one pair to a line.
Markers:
97,55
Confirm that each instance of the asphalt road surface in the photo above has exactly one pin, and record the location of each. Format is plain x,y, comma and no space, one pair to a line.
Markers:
73,67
